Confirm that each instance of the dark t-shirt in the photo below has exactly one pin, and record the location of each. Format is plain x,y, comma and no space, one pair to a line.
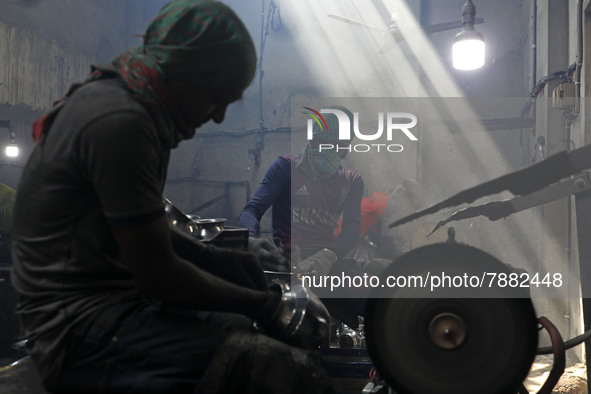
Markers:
7,197
101,164
305,212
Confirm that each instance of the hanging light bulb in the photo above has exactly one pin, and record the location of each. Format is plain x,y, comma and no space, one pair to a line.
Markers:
468,50
12,148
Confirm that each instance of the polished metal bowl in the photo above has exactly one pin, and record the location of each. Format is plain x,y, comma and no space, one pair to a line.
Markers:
176,218
209,228
203,229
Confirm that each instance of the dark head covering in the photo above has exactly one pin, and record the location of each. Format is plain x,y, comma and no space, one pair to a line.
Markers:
318,164
331,132
200,42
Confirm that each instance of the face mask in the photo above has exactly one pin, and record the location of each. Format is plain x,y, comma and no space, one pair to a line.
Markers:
324,164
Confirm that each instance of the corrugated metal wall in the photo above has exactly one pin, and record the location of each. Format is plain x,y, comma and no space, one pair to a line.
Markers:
36,70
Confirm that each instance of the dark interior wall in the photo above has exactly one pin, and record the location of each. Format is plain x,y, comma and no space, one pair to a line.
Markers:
95,29
46,45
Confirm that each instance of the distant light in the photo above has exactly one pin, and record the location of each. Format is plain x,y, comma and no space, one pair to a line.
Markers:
468,50
11,150
468,54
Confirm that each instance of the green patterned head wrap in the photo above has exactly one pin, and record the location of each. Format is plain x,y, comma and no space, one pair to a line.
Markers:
323,164
201,42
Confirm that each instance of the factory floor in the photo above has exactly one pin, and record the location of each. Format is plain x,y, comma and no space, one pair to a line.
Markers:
573,381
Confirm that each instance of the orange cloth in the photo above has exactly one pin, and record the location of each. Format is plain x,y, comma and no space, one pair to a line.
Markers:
372,209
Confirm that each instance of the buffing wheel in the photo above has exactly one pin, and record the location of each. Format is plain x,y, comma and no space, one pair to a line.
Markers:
450,345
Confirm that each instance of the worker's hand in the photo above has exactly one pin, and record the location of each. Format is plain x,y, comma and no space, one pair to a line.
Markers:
319,263
295,316
265,315
270,256
236,266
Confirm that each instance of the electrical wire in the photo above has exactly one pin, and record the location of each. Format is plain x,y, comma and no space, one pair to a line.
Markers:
563,76
538,88
567,344
265,23
243,133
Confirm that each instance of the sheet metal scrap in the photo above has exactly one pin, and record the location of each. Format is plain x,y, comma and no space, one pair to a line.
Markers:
521,183
501,209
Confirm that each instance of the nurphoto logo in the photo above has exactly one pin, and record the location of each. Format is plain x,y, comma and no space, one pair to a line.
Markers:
396,123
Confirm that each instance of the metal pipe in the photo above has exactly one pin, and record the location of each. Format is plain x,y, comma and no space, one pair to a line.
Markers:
245,184
568,224
261,72
534,43
579,63
246,133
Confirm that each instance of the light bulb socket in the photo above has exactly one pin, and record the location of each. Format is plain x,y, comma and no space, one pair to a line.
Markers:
468,13
468,33
468,49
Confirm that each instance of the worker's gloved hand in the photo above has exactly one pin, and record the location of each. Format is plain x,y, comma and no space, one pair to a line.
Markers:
270,256
267,312
236,266
319,263
295,316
